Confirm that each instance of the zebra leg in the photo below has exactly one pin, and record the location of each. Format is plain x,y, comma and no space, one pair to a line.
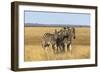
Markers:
53,47
59,48
44,44
69,47
63,46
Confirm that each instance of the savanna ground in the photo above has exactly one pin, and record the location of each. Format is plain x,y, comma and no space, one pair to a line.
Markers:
34,51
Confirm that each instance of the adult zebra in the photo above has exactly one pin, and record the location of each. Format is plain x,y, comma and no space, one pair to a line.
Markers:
60,42
50,39
70,36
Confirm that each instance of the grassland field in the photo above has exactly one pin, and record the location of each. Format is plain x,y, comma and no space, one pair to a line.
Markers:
34,51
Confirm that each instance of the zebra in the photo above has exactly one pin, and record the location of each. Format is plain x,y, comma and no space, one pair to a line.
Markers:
70,31
50,39
60,40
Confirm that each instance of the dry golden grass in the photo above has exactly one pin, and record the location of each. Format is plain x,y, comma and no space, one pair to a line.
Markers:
35,52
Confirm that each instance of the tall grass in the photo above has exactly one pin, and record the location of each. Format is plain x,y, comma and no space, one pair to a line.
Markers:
35,52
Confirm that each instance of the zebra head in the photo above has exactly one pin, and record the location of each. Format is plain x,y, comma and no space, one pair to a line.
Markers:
71,32
63,32
56,34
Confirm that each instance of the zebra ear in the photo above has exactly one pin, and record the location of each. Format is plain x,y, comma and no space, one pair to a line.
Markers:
74,37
